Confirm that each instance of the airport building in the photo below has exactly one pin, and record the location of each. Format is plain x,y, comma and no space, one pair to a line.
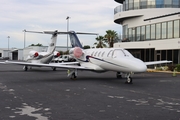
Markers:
151,28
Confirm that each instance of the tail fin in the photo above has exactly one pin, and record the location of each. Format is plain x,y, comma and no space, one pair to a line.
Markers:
52,45
74,40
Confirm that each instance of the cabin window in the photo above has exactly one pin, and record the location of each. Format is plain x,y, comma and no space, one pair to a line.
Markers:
92,53
95,53
110,53
118,53
99,54
102,54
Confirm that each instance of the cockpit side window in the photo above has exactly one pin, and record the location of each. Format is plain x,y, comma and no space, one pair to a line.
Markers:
110,54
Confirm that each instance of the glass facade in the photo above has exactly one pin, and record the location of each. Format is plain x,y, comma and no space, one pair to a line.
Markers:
145,4
158,31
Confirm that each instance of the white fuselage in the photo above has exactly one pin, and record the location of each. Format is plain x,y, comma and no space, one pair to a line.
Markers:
111,59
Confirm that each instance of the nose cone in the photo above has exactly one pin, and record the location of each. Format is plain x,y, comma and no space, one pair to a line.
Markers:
138,66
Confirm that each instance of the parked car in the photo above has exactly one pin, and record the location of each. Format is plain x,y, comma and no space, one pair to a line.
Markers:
63,58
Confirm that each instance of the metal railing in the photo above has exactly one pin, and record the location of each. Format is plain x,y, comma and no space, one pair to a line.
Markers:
142,5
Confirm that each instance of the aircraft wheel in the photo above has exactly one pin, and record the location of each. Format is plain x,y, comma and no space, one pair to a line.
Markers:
118,75
129,80
73,76
25,68
54,68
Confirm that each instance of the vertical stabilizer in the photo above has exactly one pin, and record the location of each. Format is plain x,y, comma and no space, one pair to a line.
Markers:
74,40
52,45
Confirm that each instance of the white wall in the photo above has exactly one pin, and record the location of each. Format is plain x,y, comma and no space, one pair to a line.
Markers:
157,44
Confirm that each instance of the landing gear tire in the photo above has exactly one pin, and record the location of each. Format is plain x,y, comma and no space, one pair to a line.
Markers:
118,75
73,76
129,80
54,68
25,68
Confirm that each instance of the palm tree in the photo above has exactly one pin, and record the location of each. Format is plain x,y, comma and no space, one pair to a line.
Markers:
111,36
100,42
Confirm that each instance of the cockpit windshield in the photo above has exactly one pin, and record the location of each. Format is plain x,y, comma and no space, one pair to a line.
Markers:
121,53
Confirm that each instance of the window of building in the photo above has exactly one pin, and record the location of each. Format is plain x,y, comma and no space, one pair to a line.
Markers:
127,5
136,4
130,34
151,3
170,29
164,31
143,33
125,31
147,32
176,29
133,34
167,3
158,31
131,4
159,3
138,32
175,3
143,4
153,31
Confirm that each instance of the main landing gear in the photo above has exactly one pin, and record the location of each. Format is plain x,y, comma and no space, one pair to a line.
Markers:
25,68
72,74
128,77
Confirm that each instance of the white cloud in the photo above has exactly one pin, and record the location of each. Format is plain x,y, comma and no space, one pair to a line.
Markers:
86,16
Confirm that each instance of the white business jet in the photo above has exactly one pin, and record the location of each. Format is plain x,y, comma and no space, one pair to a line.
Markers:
36,58
106,59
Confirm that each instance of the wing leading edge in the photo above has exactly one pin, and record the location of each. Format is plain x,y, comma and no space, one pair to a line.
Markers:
157,62
69,65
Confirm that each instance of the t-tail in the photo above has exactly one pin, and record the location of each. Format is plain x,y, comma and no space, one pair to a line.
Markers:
52,45
74,40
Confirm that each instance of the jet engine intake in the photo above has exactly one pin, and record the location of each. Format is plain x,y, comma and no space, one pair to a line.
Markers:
77,52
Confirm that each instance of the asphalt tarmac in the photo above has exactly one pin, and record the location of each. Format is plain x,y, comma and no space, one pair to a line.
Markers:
43,94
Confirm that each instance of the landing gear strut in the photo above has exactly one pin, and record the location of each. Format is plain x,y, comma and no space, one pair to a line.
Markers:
118,75
25,68
72,73
129,79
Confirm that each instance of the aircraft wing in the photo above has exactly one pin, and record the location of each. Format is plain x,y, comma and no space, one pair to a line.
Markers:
157,62
67,65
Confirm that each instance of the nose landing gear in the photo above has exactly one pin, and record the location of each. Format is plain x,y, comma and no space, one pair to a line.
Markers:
128,77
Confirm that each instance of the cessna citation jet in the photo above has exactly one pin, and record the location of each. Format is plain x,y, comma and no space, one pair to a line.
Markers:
36,58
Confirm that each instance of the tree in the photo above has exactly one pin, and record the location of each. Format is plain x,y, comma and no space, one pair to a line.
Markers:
111,36
100,42
86,47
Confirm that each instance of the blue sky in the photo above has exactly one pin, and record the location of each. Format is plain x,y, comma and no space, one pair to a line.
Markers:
41,15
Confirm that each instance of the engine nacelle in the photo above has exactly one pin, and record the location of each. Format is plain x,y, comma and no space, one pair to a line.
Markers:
76,52
34,53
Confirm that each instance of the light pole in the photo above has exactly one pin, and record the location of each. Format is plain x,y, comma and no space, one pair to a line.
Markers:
8,45
24,37
67,29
